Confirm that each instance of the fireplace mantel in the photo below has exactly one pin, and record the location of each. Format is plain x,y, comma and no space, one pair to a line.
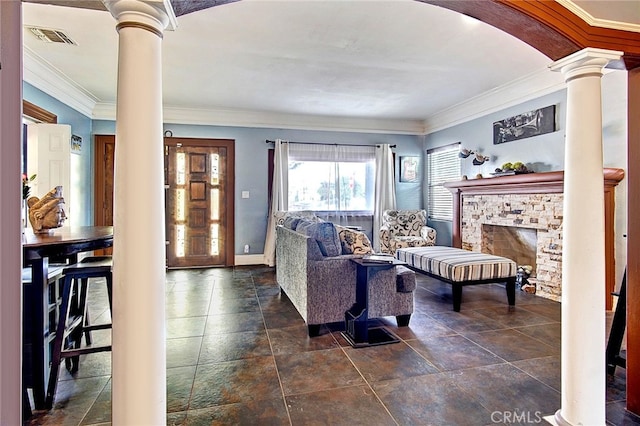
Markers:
527,183
537,183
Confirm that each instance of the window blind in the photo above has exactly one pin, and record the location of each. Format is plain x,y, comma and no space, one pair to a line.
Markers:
443,165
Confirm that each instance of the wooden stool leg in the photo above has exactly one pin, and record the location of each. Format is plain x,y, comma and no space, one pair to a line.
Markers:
616,334
75,337
58,342
110,294
84,308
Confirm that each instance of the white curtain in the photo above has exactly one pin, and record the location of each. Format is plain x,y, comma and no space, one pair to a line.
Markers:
328,152
385,190
279,200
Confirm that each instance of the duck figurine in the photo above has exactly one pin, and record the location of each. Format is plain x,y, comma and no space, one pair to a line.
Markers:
464,153
479,159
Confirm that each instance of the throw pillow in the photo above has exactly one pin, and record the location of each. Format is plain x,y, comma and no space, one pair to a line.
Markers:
302,225
326,236
291,222
280,216
353,242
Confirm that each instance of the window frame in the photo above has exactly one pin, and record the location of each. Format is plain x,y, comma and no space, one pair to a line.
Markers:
338,179
448,154
334,155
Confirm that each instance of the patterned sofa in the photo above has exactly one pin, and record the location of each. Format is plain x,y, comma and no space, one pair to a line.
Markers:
320,280
405,228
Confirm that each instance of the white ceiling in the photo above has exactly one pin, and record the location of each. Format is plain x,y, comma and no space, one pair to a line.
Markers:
377,65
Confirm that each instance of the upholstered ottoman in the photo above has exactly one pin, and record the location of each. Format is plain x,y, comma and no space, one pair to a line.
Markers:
460,268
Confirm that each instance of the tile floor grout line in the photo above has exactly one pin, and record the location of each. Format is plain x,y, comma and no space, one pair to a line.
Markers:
369,385
204,332
273,356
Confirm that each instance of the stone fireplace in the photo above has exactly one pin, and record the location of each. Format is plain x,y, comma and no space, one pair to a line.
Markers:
525,210
540,214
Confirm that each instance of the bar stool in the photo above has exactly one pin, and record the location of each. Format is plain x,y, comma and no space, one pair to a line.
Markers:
73,319
54,279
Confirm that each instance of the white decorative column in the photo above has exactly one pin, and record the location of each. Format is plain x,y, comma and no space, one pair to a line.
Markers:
138,335
583,257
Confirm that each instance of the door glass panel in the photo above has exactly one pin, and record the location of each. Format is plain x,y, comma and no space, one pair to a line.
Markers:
180,204
215,160
180,168
180,240
215,204
215,242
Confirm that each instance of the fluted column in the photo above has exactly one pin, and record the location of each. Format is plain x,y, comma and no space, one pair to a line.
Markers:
138,336
583,254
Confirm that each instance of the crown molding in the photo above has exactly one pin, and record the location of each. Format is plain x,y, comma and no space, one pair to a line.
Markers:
264,119
597,22
51,81
240,118
532,86
42,75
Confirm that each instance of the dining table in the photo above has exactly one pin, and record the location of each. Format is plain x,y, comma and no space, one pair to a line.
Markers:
40,295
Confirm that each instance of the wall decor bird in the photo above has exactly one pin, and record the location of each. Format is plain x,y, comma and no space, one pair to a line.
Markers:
464,153
479,159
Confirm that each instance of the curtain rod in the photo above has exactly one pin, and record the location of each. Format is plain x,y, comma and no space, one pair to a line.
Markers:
320,143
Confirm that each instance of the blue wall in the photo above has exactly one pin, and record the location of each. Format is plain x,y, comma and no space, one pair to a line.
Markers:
541,153
252,165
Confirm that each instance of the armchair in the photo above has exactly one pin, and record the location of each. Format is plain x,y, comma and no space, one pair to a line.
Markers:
405,228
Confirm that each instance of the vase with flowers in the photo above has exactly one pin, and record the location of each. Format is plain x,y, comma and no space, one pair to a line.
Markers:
26,191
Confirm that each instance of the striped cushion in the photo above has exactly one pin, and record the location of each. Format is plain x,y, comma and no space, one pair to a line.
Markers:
456,264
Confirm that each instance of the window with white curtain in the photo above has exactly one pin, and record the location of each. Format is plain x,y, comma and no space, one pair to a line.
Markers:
443,165
334,178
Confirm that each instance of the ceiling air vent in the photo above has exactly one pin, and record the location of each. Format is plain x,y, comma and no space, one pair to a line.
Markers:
51,36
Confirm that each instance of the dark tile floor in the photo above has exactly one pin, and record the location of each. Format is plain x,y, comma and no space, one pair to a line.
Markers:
238,354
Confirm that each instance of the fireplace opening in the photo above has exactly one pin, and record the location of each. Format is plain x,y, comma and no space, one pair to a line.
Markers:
516,243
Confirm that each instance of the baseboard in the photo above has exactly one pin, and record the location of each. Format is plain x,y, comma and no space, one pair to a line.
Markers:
249,259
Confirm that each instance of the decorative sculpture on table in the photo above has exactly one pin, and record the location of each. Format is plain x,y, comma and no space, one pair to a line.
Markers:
47,213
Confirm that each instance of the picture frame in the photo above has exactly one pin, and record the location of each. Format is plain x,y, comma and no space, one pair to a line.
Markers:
409,171
528,124
76,144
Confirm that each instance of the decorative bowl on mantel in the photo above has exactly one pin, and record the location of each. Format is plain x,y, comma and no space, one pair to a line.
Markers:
509,169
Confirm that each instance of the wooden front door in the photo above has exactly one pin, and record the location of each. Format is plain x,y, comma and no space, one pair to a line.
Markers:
199,202
103,182
202,216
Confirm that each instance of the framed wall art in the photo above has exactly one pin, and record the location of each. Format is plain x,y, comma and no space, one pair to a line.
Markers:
409,169
525,125
76,144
